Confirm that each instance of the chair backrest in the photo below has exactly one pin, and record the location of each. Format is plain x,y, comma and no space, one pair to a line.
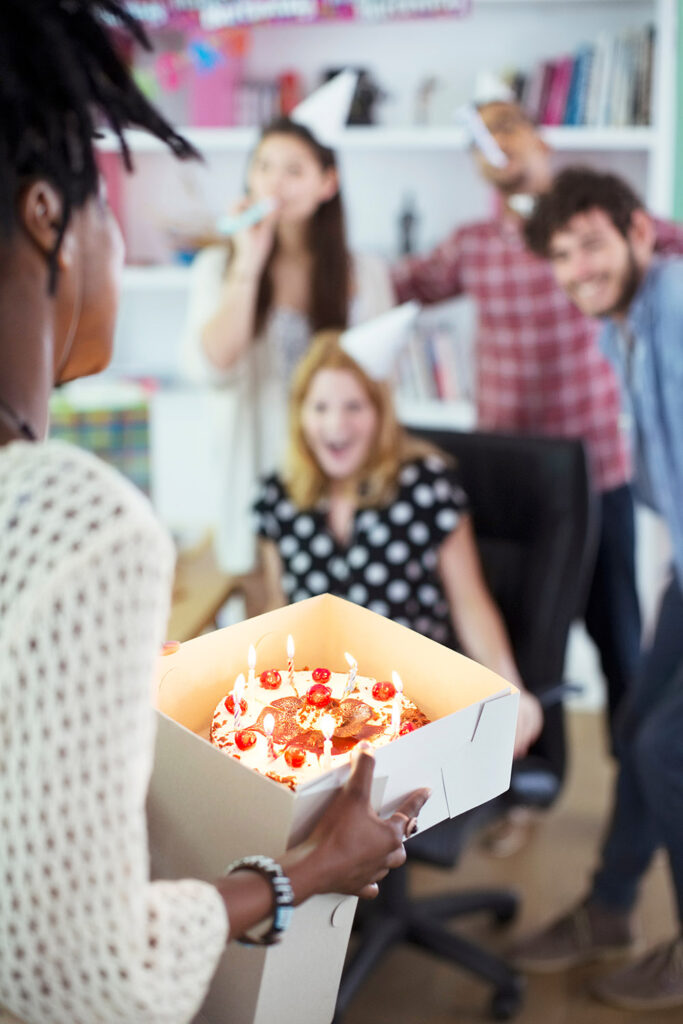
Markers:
534,519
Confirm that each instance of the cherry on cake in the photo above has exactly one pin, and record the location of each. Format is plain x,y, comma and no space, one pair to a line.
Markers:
281,725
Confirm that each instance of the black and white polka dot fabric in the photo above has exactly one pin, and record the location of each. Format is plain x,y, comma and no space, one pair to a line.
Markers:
390,562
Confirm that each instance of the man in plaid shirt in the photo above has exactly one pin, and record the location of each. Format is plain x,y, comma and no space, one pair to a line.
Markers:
539,369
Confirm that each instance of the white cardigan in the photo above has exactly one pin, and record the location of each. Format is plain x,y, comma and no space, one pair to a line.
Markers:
85,576
254,423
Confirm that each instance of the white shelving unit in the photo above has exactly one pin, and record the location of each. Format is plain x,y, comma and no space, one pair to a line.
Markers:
381,165
378,138
160,278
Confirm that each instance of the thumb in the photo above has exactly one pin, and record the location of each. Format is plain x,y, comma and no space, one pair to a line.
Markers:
413,804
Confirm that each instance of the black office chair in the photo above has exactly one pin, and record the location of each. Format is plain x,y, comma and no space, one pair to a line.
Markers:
534,519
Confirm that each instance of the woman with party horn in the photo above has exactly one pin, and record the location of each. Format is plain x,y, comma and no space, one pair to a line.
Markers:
285,273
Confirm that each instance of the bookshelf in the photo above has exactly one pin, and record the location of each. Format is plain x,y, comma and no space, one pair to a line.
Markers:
381,165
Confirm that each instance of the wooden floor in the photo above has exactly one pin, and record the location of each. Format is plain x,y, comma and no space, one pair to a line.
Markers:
413,988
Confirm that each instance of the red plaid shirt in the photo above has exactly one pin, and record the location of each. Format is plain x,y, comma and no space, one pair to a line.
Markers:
539,369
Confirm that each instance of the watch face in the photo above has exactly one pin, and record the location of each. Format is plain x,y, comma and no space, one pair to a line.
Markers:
283,897
283,918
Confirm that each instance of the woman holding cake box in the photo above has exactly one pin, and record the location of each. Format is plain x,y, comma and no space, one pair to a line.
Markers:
84,593
255,302
371,514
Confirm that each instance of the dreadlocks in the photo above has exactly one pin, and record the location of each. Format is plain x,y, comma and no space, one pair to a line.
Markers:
61,75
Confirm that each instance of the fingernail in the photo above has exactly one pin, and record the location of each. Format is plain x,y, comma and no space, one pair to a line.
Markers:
362,748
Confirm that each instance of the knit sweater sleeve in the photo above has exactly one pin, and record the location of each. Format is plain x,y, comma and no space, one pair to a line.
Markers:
85,937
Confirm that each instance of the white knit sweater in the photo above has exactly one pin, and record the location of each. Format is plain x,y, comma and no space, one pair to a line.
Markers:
85,574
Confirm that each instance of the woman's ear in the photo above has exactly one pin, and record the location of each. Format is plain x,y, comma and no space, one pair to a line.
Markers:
40,212
330,185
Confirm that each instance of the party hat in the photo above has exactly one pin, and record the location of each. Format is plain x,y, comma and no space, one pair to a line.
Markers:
375,344
490,88
326,111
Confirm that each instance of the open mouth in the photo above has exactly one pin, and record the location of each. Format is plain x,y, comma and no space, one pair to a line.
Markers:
589,290
338,448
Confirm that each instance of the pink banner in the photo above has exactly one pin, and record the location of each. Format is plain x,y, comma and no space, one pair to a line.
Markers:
213,14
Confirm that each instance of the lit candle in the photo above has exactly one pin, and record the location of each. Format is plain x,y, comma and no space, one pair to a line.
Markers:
290,662
396,704
327,728
351,677
251,662
237,691
268,726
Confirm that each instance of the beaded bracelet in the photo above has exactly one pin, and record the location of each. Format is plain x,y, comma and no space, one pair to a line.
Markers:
283,897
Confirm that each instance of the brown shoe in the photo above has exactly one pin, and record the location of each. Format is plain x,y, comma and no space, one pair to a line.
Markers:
583,934
511,833
654,982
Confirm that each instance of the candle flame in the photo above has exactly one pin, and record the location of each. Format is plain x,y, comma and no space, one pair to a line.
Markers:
327,726
238,688
350,658
268,725
251,656
397,681
290,646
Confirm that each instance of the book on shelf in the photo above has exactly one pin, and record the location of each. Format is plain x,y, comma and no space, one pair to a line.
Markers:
561,73
605,83
435,365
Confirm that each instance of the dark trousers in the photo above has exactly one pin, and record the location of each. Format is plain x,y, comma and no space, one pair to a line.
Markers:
612,613
648,807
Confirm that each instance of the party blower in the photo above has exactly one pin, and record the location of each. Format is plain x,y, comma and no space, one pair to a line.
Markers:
469,117
231,223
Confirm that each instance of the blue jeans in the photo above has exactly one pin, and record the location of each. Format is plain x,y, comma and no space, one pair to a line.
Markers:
648,807
612,613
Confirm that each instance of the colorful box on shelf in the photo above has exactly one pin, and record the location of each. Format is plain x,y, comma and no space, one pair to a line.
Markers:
206,809
109,419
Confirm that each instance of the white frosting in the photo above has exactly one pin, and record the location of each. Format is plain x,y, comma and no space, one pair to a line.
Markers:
258,698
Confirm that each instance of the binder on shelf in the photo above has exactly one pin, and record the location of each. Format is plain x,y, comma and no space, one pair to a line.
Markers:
607,83
604,98
571,106
559,89
435,366
594,85
445,344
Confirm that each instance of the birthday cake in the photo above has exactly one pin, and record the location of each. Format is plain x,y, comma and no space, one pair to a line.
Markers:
293,725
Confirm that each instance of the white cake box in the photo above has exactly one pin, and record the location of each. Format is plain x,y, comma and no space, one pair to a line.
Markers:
206,809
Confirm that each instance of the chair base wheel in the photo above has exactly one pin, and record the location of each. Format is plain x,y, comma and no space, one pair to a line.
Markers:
506,1003
505,915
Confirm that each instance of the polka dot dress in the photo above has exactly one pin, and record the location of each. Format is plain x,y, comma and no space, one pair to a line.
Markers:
390,564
